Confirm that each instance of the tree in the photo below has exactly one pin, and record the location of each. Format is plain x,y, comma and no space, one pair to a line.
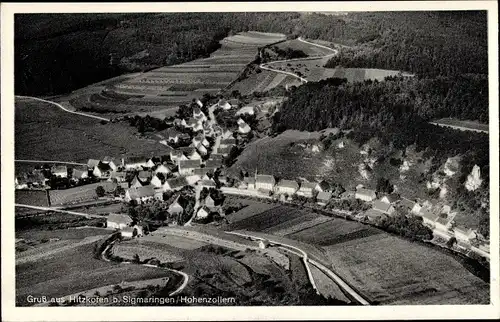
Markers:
136,259
451,242
383,185
100,192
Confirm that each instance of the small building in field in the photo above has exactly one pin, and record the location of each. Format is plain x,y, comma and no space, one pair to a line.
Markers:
175,184
186,167
323,198
118,221
383,207
135,162
264,182
59,171
365,194
288,187
306,189
463,234
140,194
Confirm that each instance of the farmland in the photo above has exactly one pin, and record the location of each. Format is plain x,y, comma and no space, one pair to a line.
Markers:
146,250
165,88
78,194
45,132
386,269
56,276
32,197
462,124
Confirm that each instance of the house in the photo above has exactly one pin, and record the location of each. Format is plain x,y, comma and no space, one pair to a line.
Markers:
463,234
206,183
151,163
264,182
177,207
59,171
157,182
289,187
216,156
203,172
186,167
171,135
203,212
113,163
213,164
390,198
176,155
416,208
383,207
373,214
250,182
136,183
217,130
429,216
407,204
323,197
201,139
118,221
443,223
244,128
92,163
190,153
227,142
323,186
210,202
224,105
189,123
306,189
79,174
135,162
144,175
198,127
225,150
227,135
119,176
202,150
102,170
163,169
199,103
124,185
140,194
249,110
175,184
199,115
365,194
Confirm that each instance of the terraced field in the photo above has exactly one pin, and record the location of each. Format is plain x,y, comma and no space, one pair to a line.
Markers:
384,268
166,88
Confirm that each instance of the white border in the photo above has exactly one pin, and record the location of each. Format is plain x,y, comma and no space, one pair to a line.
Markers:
11,313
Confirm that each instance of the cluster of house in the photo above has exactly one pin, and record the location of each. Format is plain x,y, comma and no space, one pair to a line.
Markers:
37,180
435,214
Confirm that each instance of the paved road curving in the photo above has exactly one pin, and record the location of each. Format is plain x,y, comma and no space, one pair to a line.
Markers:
63,108
265,65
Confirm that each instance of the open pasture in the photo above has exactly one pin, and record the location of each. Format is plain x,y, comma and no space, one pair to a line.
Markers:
145,250
268,219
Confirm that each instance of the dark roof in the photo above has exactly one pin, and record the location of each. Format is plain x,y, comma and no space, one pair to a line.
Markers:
228,141
213,163
144,174
216,156
104,166
264,178
324,185
135,159
187,150
188,164
202,171
177,182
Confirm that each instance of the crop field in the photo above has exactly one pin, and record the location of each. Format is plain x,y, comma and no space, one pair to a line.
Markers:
251,208
78,194
267,219
57,276
174,241
204,75
146,250
99,209
45,132
309,50
326,286
32,197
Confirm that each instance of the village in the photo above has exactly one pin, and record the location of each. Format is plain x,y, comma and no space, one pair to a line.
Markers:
191,182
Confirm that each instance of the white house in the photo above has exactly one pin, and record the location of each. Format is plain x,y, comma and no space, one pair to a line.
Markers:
365,194
323,198
163,169
199,103
102,170
156,182
80,174
177,155
464,234
244,128
210,202
60,171
92,163
140,194
118,221
186,167
174,184
202,150
203,212
150,163
416,208
289,187
135,162
383,207
264,182
176,208
306,189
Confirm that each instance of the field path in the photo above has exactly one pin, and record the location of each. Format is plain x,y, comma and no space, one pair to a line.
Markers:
63,108
56,209
304,80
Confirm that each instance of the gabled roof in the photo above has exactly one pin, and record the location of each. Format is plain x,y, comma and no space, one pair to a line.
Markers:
381,206
444,220
140,192
264,178
135,159
216,156
324,196
228,141
104,166
176,153
187,150
108,159
144,174
163,169
428,214
393,197
120,218
407,203
59,168
213,163
323,185
225,149
135,181
92,163
209,183
202,171
189,164
78,173
288,184
177,182
307,185
250,180
366,192
118,174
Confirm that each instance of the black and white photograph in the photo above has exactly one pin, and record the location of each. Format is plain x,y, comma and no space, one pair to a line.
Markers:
216,156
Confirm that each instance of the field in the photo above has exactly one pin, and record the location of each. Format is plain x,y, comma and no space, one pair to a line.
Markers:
163,89
384,268
78,194
309,50
32,197
464,125
57,276
263,82
45,132
146,250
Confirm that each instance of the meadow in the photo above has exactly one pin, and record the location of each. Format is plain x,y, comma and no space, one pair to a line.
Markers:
78,194
32,197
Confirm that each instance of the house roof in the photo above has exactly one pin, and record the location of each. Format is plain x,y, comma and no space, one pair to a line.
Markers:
366,192
381,206
444,220
288,184
428,214
209,183
59,168
140,192
187,150
92,163
213,163
244,128
372,213
407,203
177,182
135,181
249,180
393,197
246,110
189,164
264,178
118,174
135,159
163,169
307,185
202,171
196,110
176,153
228,141
108,159
216,156
225,149
170,133
128,229
104,166
119,218
323,185
78,173
144,174
324,196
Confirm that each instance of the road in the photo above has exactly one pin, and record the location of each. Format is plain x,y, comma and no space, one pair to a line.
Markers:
458,127
302,79
45,161
59,210
63,108
320,266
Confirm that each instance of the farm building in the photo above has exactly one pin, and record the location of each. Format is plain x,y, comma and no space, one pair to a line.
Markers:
186,167
102,170
227,135
176,155
390,198
118,221
140,194
92,163
79,174
264,182
365,194
323,197
383,207
244,128
216,156
59,171
120,176
289,187
416,208
135,162
113,163
199,115
175,184
323,186
463,234
203,212
306,189
213,164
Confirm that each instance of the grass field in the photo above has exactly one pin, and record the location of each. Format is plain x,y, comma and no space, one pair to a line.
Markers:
466,125
57,276
79,194
309,50
45,132
32,197
146,250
